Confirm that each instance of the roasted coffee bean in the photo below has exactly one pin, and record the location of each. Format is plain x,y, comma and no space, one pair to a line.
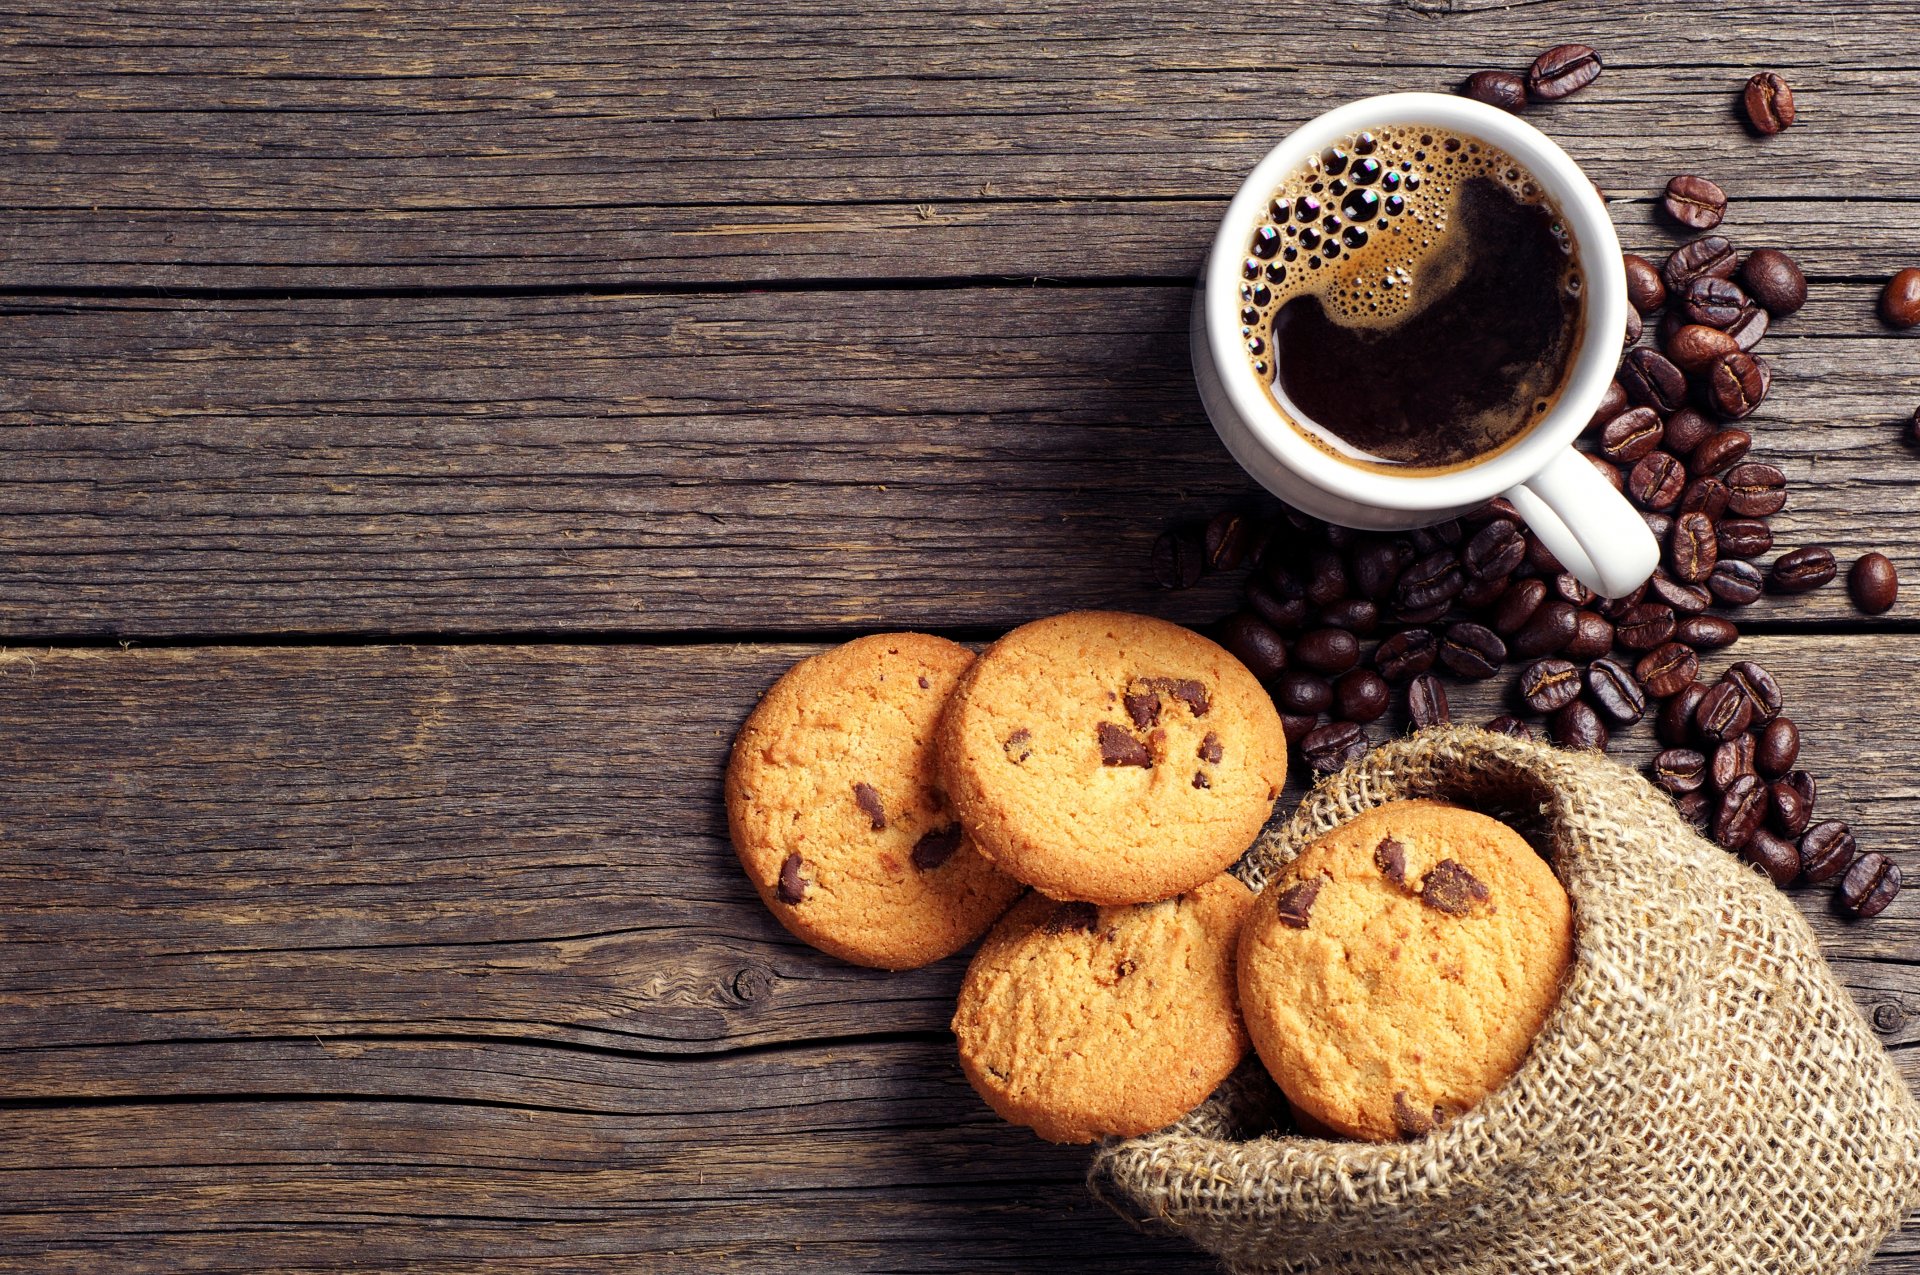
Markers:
1651,380
1373,566
1570,589
1280,576
1671,322
1719,451
1778,858
1255,643
1696,808
1742,808
1406,654
1736,583
1615,692
1563,69
1607,470
1517,605
1631,435
1505,725
1695,202
1712,302
1480,594
1869,885
1326,577
1657,481
1757,684
1549,684
1686,430
1328,748
1777,749
1634,328
1774,280
1681,596
1612,403
1667,669
1357,615
1497,549
1899,302
1540,559
1736,383
1674,725
1433,580
1578,726
1873,583
1692,549
1360,695
1769,103
1427,702
1644,627
1743,537
1724,712
1696,345
1801,570
1749,328
1284,614
1707,496
1613,608
1661,525
1707,255
1706,632
1503,89
1680,771
1592,636
1300,692
1803,782
1758,490
1826,850
1296,725
1179,557
1226,540
1548,631
1328,651
1787,809
1730,761
1472,651
1645,292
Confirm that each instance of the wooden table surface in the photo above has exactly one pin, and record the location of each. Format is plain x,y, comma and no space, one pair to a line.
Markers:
424,431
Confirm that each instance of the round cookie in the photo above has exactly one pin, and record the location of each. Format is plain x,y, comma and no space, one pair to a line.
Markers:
1398,970
1085,1022
1111,758
836,813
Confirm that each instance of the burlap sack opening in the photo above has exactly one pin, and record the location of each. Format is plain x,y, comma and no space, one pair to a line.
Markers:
1706,1097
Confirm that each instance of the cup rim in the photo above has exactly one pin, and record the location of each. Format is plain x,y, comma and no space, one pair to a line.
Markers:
1605,302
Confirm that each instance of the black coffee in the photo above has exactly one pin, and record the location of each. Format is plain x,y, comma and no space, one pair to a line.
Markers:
1419,295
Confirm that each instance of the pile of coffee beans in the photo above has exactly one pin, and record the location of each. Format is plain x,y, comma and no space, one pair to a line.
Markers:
1334,619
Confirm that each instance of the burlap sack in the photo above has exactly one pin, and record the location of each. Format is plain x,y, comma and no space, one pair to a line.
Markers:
1706,1097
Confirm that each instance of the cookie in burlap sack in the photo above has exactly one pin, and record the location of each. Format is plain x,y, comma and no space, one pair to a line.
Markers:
1706,1098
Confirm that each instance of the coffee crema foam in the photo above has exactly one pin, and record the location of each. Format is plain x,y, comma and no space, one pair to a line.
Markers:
1363,226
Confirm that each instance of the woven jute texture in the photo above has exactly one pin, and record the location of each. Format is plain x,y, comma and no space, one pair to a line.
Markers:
1705,1098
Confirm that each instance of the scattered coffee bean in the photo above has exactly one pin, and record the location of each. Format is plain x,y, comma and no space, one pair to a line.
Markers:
1226,541
1742,808
1570,589
1631,435
1505,725
1302,692
1719,451
1707,255
1284,614
1406,655
1607,470
1724,712
1696,808
1657,481
1707,496
1645,292
1612,403
1549,630
1803,782
1549,684
1769,103
1497,549
1826,850
1778,858
1900,302
1295,726
1692,549
1326,577
1517,605
1503,89
1427,702
1735,583
1869,885
1731,760
1651,380
1680,771
1873,583
1255,644
1787,809
1374,566
1801,570
1696,345
1667,670
1757,684
1778,749
1674,725
1681,596
1432,581
1577,726
1360,695
1592,636
1695,202
1774,280
1659,524
1736,384
1179,557
1644,627
1356,615
1747,330
1634,329
1472,651
1758,490
1743,537
1686,430
1615,692
1328,748
1328,651
1713,302
1540,558
1561,70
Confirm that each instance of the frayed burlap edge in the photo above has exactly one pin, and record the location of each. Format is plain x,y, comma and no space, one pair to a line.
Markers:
1705,1098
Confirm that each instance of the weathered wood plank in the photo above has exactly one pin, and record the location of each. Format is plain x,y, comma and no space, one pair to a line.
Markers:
246,144
716,461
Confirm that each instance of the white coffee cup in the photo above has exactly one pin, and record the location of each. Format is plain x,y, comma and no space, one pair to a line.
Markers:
1587,525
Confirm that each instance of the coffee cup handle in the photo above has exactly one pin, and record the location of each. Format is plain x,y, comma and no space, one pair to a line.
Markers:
1588,525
